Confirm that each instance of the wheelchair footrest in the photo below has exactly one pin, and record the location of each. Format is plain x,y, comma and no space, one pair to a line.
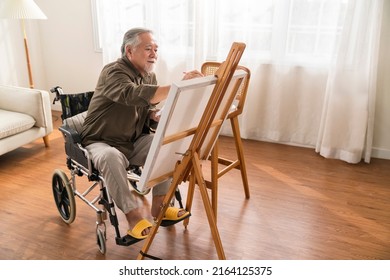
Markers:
126,240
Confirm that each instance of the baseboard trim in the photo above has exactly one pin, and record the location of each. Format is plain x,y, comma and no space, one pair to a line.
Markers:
380,153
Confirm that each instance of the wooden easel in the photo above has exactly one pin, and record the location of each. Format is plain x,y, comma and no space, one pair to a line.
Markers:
189,167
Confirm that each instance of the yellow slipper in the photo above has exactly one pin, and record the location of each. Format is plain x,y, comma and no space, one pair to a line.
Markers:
171,216
137,230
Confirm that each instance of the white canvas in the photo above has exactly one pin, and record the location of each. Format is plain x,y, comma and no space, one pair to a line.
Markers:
183,110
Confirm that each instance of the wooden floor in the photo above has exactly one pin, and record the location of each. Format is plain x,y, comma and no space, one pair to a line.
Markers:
302,207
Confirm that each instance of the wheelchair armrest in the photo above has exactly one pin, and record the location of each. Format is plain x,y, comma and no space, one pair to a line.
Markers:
71,134
73,148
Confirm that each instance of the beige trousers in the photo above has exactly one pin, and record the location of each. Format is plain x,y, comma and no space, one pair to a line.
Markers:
112,165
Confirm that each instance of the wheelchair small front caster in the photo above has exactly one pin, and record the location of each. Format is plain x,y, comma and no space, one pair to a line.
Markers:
101,238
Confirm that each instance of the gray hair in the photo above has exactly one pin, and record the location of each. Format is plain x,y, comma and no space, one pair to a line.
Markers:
131,38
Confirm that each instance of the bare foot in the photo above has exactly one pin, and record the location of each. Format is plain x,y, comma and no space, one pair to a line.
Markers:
157,205
133,217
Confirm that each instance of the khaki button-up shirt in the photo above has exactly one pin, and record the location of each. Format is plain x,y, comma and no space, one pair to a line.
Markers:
120,106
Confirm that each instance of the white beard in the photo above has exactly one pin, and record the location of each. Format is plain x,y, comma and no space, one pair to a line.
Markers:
149,68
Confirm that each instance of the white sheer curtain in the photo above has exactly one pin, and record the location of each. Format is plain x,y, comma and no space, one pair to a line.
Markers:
171,21
348,115
290,46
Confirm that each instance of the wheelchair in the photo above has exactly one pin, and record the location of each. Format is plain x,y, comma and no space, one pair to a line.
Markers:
74,109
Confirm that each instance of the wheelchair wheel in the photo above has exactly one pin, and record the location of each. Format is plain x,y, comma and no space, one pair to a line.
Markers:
101,240
64,196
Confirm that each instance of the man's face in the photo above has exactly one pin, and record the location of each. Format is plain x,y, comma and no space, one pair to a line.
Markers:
144,56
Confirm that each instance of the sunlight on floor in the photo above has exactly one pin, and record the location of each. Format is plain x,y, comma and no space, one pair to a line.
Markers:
346,214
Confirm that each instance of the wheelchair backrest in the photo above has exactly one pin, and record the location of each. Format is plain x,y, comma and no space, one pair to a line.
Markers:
72,104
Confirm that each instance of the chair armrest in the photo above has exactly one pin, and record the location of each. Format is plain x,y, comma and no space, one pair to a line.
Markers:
33,102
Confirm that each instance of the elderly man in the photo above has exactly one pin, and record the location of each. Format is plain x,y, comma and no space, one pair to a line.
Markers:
115,131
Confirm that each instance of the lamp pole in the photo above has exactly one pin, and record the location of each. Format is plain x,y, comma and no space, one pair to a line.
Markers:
30,76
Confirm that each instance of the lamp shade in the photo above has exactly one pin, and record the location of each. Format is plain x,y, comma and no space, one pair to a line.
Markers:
21,9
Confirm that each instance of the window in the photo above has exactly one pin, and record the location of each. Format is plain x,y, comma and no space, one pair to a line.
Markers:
297,31
314,28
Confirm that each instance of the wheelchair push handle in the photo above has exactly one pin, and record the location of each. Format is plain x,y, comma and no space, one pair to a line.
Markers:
58,91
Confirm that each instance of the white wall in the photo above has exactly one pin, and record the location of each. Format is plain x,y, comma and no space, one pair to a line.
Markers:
381,144
69,58
62,53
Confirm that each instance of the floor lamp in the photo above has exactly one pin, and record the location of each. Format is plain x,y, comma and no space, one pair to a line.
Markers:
22,9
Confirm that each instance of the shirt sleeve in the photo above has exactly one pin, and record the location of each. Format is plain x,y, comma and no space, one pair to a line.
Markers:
122,86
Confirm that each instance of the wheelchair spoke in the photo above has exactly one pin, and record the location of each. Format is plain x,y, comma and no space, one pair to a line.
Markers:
64,203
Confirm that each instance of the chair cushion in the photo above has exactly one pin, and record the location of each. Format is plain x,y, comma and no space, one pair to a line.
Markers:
13,122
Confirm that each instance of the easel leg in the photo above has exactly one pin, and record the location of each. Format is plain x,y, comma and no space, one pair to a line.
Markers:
207,205
190,197
214,179
240,153
153,232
